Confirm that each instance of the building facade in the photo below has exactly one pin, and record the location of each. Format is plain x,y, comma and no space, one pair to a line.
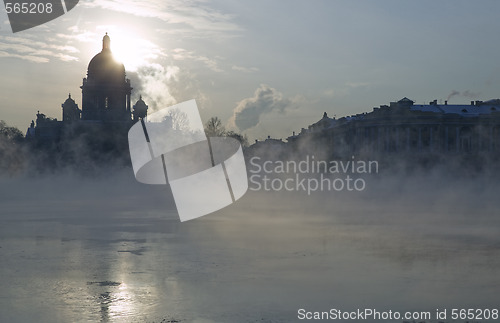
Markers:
404,126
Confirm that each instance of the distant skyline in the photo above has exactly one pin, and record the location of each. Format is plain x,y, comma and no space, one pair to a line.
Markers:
263,67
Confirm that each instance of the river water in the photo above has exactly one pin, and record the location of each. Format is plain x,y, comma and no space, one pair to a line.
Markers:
109,249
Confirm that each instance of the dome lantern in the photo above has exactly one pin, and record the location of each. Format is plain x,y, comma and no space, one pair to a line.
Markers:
106,43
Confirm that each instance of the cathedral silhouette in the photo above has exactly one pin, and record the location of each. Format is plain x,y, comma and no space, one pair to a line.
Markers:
106,104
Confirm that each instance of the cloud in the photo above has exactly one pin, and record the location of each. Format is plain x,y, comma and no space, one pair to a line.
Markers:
345,89
35,51
330,93
30,58
181,54
353,85
244,69
66,58
249,111
80,36
32,43
194,16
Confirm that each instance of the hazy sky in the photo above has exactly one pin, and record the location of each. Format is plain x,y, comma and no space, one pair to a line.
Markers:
264,67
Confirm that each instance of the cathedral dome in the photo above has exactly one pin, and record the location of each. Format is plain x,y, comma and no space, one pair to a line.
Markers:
103,67
105,91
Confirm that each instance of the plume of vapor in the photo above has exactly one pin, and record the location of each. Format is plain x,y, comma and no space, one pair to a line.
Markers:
470,94
249,111
165,85
452,94
466,93
154,82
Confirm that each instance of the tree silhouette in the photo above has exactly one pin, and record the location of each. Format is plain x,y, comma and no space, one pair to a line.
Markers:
12,154
214,128
10,133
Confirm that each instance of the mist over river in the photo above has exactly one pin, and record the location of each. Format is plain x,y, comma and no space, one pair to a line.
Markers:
108,249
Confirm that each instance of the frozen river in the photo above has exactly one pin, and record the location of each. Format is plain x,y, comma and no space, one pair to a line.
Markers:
113,250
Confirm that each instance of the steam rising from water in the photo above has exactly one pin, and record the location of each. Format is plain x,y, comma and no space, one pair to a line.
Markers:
111,249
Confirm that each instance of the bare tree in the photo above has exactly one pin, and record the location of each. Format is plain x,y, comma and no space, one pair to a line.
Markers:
214,128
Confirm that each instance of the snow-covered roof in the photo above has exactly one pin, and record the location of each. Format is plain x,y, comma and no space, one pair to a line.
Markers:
460,109
466,110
